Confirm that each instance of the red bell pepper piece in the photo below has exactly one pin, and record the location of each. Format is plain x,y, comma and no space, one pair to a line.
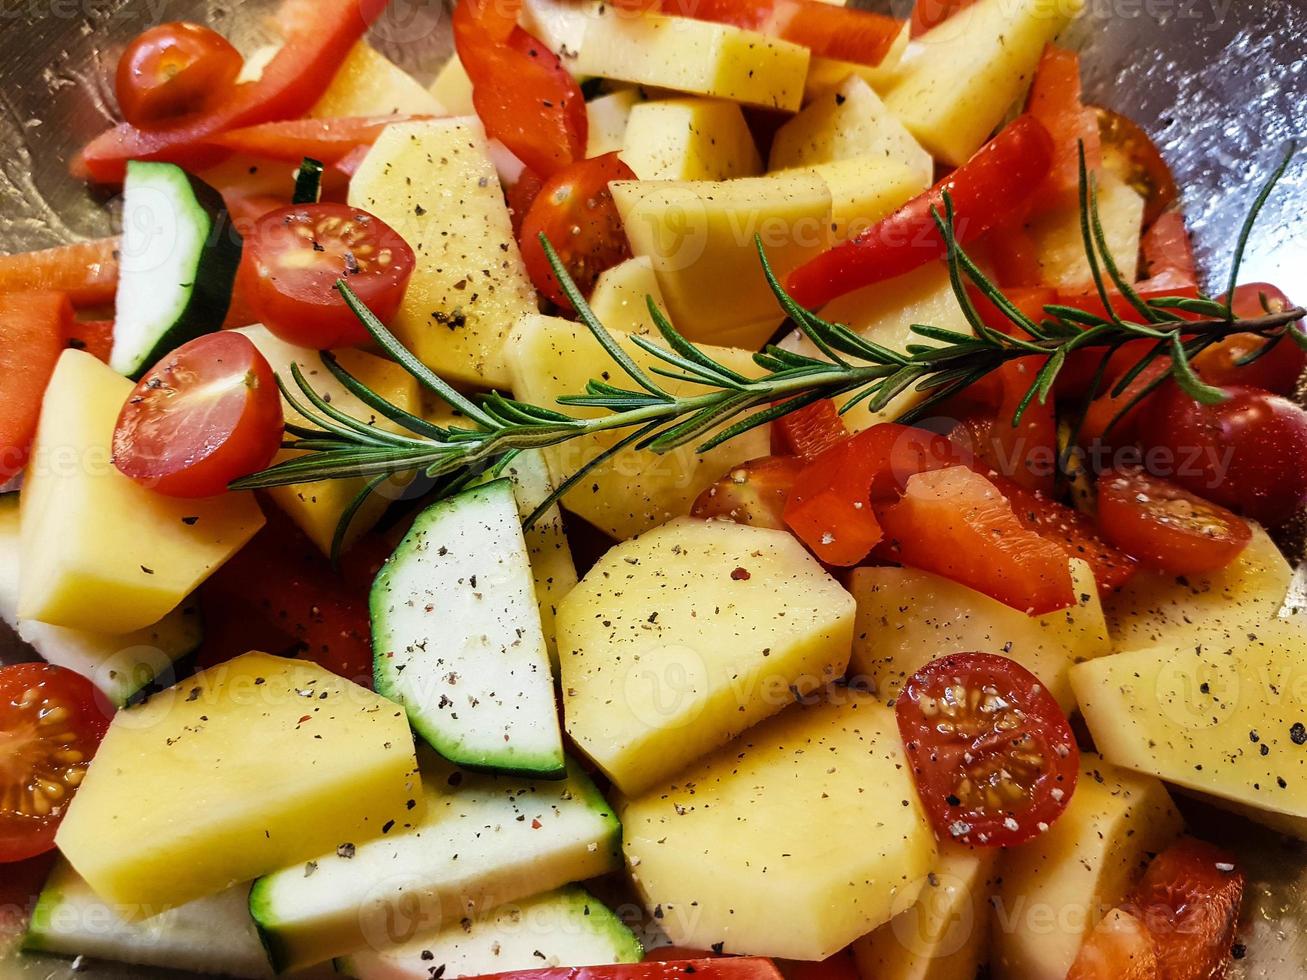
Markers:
716,968
830,507
86,271
291,83
845,33
809,431
1055,100
525,97
999,179
33,327
325,140
956,523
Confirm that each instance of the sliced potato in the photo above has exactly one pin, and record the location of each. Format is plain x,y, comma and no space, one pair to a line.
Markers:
679,640
677,53
907,618
1212,611
434,183
791,841
825,73
700,237
884,313
1060,244
967,72
620,297
317,507
689,139
944,935
1055,889
1224,721
453,89
849,122
609,115
863,190
370,84
634,490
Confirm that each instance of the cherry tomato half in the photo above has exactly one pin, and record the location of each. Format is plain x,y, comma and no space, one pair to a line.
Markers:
575,211
1165,526
298,253
174,70
752,493
205,415
1245,453
993,755
51,723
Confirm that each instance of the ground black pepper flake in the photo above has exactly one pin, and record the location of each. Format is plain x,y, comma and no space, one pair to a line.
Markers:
1298,733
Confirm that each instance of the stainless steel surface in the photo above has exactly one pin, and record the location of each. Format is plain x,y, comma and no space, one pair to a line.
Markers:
1220,83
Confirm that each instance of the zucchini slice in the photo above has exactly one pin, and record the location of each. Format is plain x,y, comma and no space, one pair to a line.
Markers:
457,638
178,263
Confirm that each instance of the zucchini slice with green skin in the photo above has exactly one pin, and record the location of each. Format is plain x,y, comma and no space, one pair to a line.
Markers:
211,935
482,842
457,638
178,261
569,927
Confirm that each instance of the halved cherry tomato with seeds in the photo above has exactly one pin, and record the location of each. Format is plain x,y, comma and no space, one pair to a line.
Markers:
993,755
206,414
51,723
752,493
575,211
174,70
298,253
1166,526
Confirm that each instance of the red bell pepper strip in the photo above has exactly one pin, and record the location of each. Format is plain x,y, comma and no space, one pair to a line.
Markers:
33,327
1055,100
86,271
830,507
999,179
845,33
956,523
326,140
717,968
525,97
809,431
291,83
835,500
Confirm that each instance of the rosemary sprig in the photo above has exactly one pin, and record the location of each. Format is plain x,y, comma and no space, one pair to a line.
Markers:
724,403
